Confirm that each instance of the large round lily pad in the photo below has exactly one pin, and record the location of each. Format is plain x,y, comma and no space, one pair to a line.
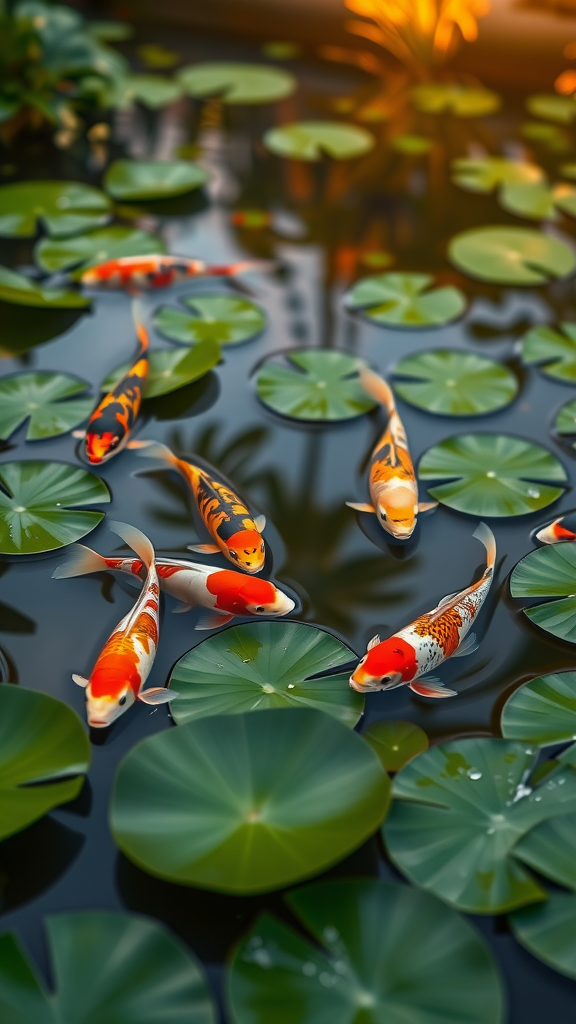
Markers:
548,931
265,665
108,968
59,207
38,505
85,251
22,291
152,91
510,256
551,107
152,179
396,742
171,369
452,98
46,400
543,711
44,753
554,351
538,200
549,572
492,475
565,421
460,808
549,849
406,300
484,174
313,140
237,83
453,383
313,384
247,803
224,319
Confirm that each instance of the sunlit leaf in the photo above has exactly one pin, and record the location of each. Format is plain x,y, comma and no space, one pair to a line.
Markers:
237,83
313,384
281,50
412,145
22,291
549,571
59,207
46,400
85,251
565,422
548,931
460,100
224,319
405,300
153,91
396,742
542,711
551,107
484,174
454,383
513,256
538,200
313,140
154,56
152,179
170,369
554,351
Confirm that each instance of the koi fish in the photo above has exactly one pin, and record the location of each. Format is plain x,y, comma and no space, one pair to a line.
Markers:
392,480
140,273
403,659
225,592
124,663
561,530
237,534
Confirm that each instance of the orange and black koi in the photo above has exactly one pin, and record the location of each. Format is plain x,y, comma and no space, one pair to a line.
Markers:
561,530
139,273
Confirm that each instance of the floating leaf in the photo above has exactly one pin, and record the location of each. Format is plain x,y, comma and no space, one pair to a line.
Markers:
38,505
542,711
22,291
281,50
265,665
396,742
152,179
548,931
539,200
554,351
85,251
484,174
237,83
154,56
59,207
247,803
41,741
170,369
405,300
153,91
412,145
373,953
111,31
224,319
313,140
549,848
460,100
454,383
549,572
550,107
511,256
492,474
313,384
549,135
565,422
44,399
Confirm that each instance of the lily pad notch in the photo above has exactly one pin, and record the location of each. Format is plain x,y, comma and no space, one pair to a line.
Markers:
405,300
313,384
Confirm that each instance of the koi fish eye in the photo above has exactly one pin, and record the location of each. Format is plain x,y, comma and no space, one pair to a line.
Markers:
233,554
260,608
122,700
382,516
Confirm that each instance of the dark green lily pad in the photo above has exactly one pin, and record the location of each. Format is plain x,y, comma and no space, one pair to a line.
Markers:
313,384
538,200
484,174
549,571
549,849
248,803
451,98
85,251
548,931
46,400
492,475
551,107
405,300
453,383
313,140
396,742
237,83
152,91
510,256
37,505
22,291
264,665
59,207
553,351
412,145
565,422
373,954
152,179
548,135
542,711
224,319
170,369
41,741
107,968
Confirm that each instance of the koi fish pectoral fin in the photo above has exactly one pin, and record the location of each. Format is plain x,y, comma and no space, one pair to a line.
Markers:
211,620
80,681
181,609
204,549
468,646
431,687
361,506
157,695
427,506
260,523
79,434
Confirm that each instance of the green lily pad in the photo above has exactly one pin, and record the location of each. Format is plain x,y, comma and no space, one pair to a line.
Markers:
550,107
550,572
396,742
412,145
237,83
453,383
553,351
85,251
313,140
41,741
405,300
451,98
22,291
548,135
549,849
372,954
460,808
170,369
107,968
111,31
37,505
492,475
565,422
484,174
46,400
152,91
224,319
539,200
155,56
548,931
264,665
59,207
152,179
248,803
542,711
313,384
510,256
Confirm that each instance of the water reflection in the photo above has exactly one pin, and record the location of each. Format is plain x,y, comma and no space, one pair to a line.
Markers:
34,860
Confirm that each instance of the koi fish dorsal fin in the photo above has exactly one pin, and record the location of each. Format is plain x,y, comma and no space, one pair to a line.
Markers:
377,388
484,534
444,603
374,642
136,540
79,561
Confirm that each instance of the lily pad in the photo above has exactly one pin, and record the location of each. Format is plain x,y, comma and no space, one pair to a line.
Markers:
313,384
550,107
313,140
484,174
565,422
548,931
152,91
453,383
154,56
107,967
22,291
38,505
548,135
237,83
542,711
549,572
451,98
396,742
248,803
460,808
46,400
553,351
59,207
372,954
412,145
44,753
264,665
152,179
539,200
224,319
85,251
405,300
510,256
549,849
170,369
492,475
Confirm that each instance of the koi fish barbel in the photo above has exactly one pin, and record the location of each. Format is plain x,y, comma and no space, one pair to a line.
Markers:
403,659
140,273
561,530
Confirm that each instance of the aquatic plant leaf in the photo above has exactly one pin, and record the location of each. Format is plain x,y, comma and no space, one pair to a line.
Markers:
237,83
224,319
542,711
548,135
313,384
510,256
107,967
458,811
281,49
41,741
554,351
451,98
37,505
549,849
396,742
549,571
538,200
152,179
111,31
492,474
170,369
59,207
372,953
485,174
248,803
565,422
313,140
412,145
453,383
262,665
550,107
548,931
22,291
152,91
85,251
405,300
46,400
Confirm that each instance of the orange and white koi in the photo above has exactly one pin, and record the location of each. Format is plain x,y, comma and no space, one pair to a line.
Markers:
224,592
561,530
139,273
125,661
238,535
405,658
392,480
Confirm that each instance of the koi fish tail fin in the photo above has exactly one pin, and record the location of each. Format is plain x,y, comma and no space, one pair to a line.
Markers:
484,534
135,539
377,388
80,560
153,450
139,317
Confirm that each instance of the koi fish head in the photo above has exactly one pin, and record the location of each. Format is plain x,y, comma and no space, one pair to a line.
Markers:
263,598
101,447
387,664
246,549
398,520
102,711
